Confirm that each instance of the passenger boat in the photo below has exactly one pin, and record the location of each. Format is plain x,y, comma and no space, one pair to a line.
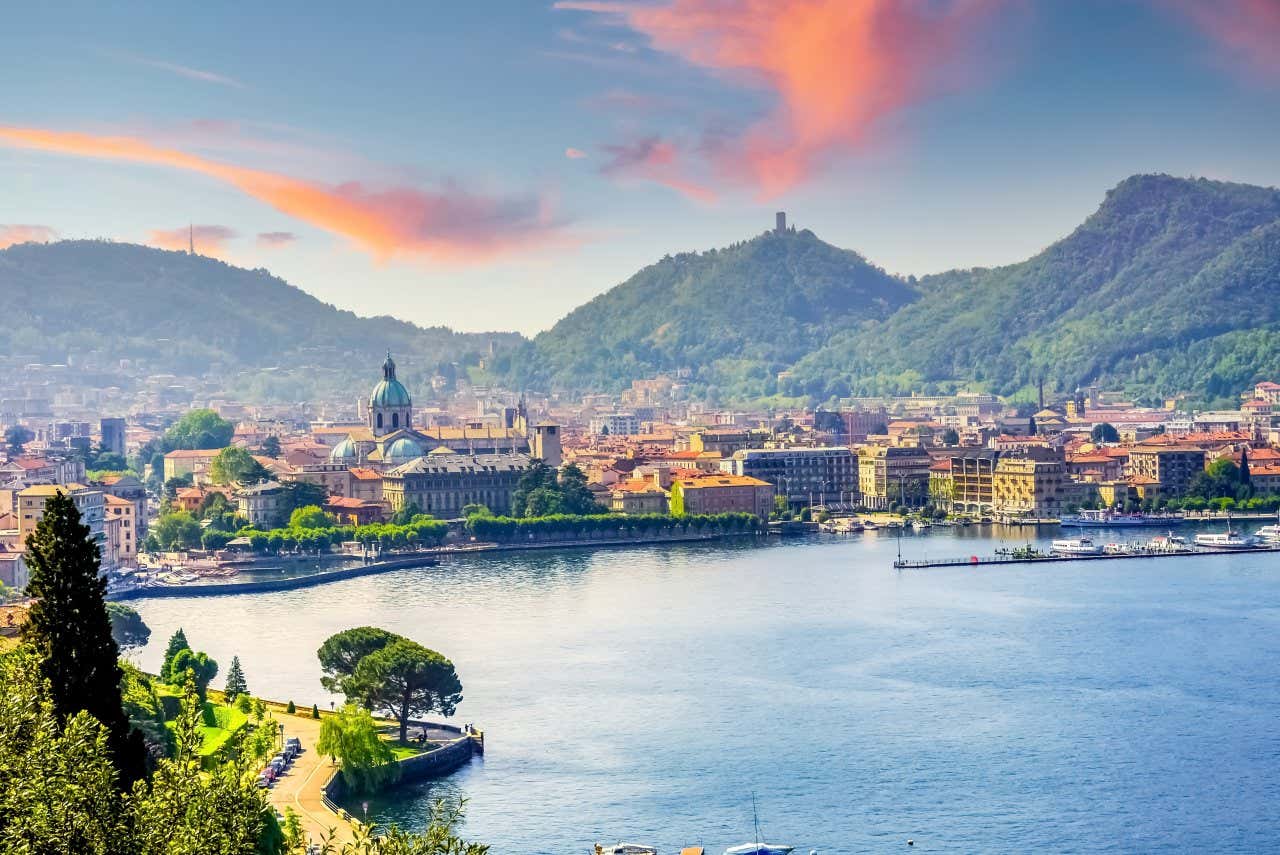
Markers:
919,525
870,525
624,849
1167,544
1226,540
1269,534
1076,546
1116,548
1109,519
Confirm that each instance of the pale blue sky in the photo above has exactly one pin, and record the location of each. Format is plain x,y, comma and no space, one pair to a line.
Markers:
1029,120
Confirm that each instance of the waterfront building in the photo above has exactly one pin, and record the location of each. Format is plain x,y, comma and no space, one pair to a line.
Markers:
90,501
261,504
1030,487
805,476
719,493
120,521
129,487
973,480
637,496
1172,467
349,511
443,482
893,475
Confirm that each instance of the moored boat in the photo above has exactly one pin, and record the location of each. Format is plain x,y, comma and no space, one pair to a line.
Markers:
1077,546
1168,544
1110,519
1226,540
624,849
759,849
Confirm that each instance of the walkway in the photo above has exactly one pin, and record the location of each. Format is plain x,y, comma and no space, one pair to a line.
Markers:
301,787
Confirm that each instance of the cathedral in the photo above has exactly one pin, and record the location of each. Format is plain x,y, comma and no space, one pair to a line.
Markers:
389,439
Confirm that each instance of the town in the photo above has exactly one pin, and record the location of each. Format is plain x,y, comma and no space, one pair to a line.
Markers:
183,479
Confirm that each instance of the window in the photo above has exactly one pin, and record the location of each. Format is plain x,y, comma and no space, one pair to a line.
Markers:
379,420
395,420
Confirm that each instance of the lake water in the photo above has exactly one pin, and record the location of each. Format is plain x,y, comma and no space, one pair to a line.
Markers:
644,694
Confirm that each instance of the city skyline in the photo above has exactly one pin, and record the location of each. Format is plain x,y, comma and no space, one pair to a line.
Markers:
499,188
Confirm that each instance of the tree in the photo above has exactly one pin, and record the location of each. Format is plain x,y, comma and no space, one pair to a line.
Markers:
69,629
176,483
188,664
199,429
271,446
312,516
351,737
341,653
300,494
951,437
127,627
474,510
17,437
177,530
1104,432
236,684
235,465
405,679
177,643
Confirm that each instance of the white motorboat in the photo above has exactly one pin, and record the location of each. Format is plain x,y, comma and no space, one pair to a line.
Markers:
1111,519
919,525
1226,540
624,849
1168,543
1269,534
1077,546
759,849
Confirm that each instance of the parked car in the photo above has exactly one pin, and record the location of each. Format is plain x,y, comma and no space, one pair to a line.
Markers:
269,773
264,781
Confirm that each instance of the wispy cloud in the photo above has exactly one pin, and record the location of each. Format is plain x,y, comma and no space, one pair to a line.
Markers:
208,240
13,233
653,159
445,223
181,70
272,240
574,153
838,68
1247,30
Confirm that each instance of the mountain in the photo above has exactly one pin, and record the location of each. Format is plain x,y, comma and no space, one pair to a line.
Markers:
733,317
1169,286
99,302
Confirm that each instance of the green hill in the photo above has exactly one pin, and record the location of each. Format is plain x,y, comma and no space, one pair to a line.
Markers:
732,317
99,302
1170,286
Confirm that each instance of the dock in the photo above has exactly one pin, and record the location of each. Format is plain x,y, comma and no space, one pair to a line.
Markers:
974,560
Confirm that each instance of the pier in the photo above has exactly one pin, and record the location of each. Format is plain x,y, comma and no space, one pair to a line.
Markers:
975,560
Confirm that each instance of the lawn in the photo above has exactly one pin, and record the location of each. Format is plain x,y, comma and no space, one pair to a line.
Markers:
219,723
401,750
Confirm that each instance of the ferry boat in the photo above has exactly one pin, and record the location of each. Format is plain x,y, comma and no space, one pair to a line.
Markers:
1269,534
624,849
1168,544
842,525
1226,540
1109,519
1076,546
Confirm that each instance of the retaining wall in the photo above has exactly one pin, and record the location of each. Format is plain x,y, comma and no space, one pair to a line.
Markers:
265,585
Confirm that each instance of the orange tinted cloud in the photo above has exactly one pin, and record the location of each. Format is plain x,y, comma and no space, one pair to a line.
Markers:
444,224
653,159
574,153
20,233
208,240
838,67
271,240
1249,30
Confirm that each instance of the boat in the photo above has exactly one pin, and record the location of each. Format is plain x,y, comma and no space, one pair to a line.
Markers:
1116,548
1110,519
1226,540
1269,533
758,848
893,524
1167,544
841,525
1076,546
919,525
624,849
870,525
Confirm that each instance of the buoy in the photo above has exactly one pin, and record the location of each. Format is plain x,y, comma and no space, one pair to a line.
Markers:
910,842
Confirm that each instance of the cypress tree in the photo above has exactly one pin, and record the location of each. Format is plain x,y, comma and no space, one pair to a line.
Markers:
70,631
236,684
177,643
1245,479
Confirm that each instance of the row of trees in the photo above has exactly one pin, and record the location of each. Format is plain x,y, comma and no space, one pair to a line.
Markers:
569,526
421,530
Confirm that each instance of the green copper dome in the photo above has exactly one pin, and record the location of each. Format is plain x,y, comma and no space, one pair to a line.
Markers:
343,452
402,451
390,392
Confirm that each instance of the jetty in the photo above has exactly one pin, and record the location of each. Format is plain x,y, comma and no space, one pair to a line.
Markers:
975,560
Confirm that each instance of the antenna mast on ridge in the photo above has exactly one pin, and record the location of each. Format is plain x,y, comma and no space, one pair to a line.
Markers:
191,239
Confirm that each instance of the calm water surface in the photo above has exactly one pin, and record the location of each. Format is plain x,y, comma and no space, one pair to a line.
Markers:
644,694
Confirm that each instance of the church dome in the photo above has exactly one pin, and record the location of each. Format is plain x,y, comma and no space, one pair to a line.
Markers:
390,392
343,452
402,451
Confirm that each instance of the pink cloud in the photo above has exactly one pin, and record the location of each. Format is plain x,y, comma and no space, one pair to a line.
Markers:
653,159
272,240
574,153
838,68
208,240
23,233
1248,30
186,71
446,223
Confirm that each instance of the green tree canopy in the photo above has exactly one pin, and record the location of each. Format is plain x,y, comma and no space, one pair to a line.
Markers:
236,684
1104,432
405,680
127,627
70,631
312,516
176,530
234,464
341,653
198,666
352,738
271,446
16,437
199,429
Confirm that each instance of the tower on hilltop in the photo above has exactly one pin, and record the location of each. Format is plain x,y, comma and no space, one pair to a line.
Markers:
780,222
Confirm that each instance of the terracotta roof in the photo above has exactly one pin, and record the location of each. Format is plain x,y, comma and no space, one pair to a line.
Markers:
711,480
362,474
637,486
116,500
192,453
189,493
350,503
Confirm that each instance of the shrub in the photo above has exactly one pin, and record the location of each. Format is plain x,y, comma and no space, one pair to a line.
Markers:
291,709
315,711
244,704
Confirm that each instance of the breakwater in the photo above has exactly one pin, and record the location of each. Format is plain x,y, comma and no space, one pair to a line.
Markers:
974,560
268,585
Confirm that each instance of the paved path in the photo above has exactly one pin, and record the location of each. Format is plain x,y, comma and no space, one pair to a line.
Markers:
300,787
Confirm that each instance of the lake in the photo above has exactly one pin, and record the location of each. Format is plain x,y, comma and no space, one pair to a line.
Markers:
644,694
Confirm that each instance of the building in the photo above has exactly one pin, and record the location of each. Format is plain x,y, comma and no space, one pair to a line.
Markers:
1027,487
637,496
121,525
1172,467
724,441
349,511
805,476
129,487
614,424
721,493
544,444
89,501
113,435
973,481
261,504
893,475
189,461
442,483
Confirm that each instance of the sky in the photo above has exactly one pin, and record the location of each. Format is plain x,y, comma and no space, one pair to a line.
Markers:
493,165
